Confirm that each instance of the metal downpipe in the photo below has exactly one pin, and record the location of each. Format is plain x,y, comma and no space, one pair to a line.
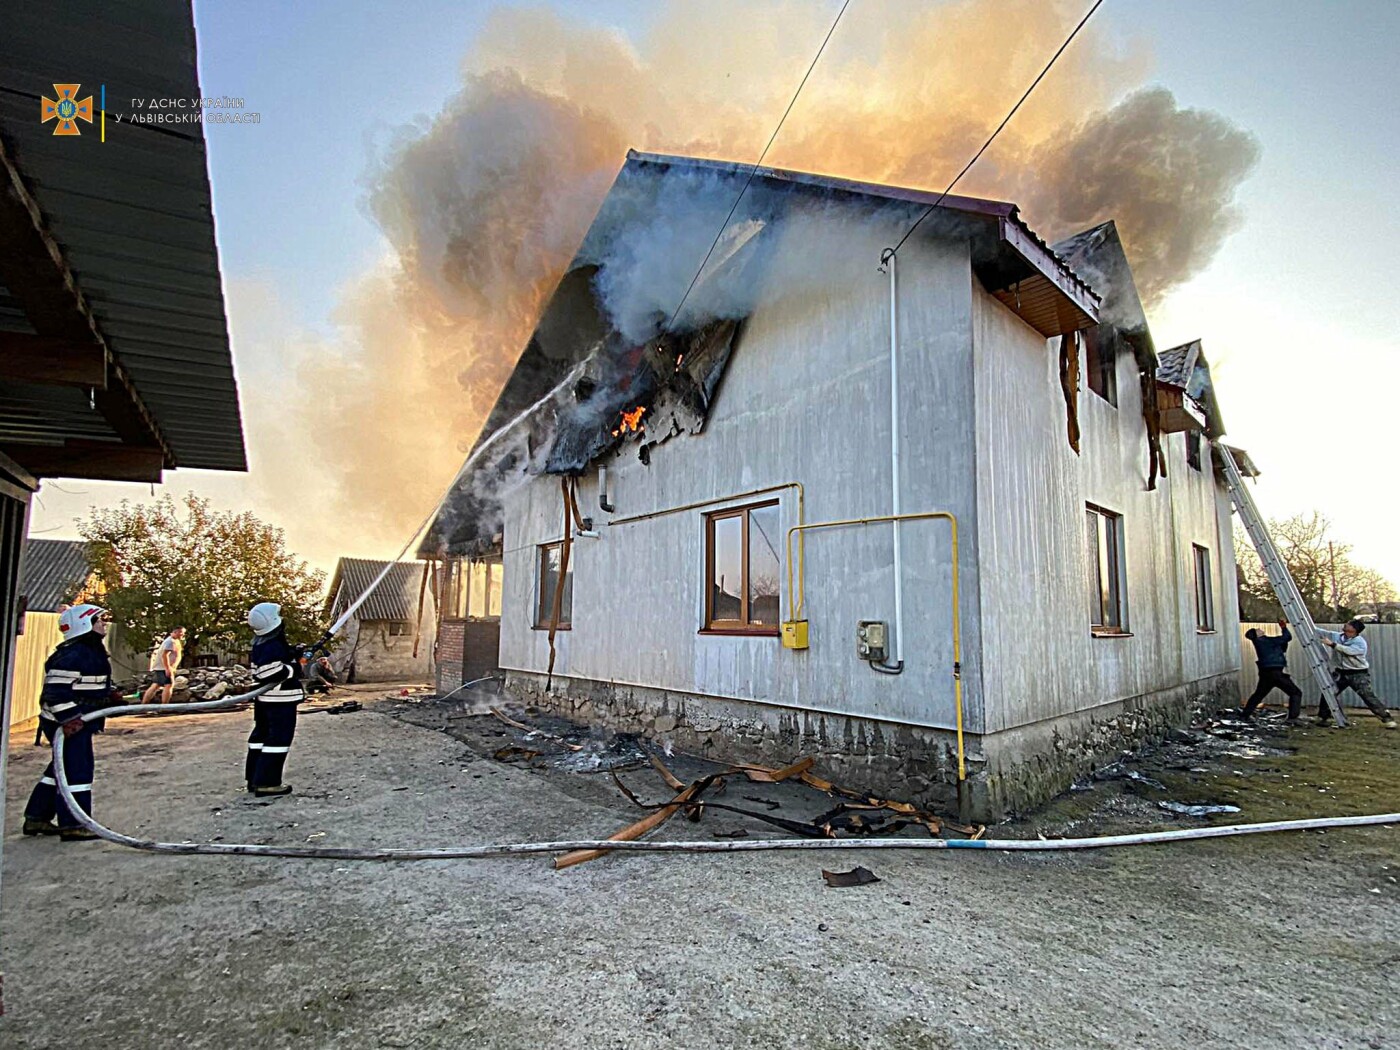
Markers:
897,667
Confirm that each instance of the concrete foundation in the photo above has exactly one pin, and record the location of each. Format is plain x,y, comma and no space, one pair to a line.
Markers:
1008,772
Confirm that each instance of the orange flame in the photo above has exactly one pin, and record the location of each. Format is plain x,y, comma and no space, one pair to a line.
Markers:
631,421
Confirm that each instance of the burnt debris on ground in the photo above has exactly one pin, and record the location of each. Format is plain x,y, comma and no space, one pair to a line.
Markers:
1220,770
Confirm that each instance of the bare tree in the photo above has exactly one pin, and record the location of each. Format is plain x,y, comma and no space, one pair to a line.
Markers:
1332,585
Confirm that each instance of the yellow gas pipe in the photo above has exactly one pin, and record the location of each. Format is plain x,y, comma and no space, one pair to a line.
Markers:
795,606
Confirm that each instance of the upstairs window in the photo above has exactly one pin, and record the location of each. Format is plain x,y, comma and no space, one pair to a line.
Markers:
1205,597
1107,611
550,557
1193,449
742,570
1099,367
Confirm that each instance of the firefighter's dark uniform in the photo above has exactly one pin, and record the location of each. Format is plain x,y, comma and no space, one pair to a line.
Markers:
77,679
275,712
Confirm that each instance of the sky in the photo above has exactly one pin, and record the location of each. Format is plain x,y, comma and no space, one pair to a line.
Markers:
1302,347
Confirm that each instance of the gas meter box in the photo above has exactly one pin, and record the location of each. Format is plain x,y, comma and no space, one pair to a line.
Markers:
794,634
870,640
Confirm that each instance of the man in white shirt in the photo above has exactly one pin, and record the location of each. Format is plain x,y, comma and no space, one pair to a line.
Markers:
165,662
1351,669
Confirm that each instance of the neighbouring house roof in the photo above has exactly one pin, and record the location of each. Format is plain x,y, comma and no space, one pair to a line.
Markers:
52,572
1185,367
109,270
675,375
396,598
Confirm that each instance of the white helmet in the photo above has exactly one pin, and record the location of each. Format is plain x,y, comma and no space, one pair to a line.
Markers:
265,617
77,620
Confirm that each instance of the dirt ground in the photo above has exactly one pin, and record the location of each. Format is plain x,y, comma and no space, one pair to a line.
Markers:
1264,942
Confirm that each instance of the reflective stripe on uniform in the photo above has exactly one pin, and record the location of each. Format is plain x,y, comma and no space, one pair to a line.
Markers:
255,747
91,681
268,670
75,788
48,780
276,750
61,677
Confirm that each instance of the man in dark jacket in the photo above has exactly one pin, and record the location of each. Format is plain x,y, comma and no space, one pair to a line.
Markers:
274,662
1272,654
77,679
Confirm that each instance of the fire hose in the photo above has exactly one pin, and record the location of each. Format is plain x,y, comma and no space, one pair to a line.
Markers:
512,849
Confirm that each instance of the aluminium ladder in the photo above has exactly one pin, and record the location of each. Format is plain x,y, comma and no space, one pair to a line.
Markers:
1285,589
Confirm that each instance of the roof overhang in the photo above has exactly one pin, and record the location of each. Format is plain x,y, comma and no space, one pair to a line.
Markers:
114,351
1052,300
1244,462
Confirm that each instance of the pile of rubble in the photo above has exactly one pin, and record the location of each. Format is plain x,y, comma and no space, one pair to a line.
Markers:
210,683
199,683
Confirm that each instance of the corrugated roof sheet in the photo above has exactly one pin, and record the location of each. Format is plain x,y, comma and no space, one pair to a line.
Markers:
133,216
51,572
394,599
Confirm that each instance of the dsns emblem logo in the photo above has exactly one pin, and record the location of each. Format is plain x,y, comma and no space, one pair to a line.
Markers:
68,110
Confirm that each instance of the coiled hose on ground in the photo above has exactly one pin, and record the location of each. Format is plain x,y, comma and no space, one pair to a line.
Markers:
512,849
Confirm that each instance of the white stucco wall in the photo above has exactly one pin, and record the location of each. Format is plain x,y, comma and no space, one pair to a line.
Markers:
806,398
1041,659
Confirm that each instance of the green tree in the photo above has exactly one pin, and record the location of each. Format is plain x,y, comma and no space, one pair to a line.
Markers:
168,564
1333,587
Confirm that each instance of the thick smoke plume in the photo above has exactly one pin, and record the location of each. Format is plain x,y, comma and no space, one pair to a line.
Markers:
486,203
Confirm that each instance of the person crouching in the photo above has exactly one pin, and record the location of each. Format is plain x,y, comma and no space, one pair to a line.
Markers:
274,662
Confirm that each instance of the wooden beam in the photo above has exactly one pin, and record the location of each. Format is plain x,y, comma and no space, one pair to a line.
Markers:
34,270
46,359
98,460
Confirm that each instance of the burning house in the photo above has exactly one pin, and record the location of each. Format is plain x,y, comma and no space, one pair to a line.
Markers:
678,515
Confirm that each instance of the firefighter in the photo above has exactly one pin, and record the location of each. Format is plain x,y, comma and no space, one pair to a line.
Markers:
77,679
276,663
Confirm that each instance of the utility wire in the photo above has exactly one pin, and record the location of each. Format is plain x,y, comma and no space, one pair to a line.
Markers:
752,171
1005,120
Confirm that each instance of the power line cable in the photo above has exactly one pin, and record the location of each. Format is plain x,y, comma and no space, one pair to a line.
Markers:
752,171
1005,120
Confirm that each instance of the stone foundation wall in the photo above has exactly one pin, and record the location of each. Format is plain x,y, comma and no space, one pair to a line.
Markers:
1008,772
882,758
1029,765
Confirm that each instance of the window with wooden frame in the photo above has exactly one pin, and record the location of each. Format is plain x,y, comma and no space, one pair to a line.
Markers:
1205,592
1100,372
1107,607
743,570
471,589
1193,449
550,557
